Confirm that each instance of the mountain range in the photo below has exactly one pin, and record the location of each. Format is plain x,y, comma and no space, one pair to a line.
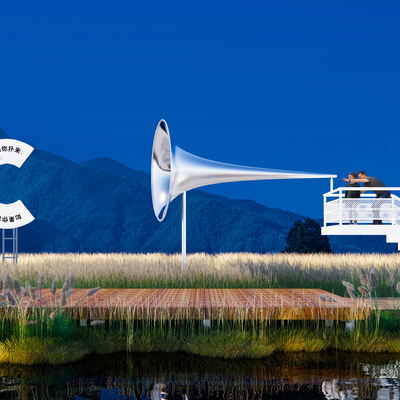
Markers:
103,206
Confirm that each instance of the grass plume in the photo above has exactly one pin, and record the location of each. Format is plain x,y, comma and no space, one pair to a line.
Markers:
227,270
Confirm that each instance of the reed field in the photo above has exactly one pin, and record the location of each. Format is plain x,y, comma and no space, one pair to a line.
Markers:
32,332
228,270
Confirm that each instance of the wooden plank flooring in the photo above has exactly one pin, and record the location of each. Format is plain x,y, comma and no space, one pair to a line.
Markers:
215,303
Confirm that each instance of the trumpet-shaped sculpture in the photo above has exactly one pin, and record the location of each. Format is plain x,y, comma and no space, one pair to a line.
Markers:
175,171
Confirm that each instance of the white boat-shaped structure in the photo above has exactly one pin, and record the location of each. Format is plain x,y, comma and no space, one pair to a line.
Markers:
339,212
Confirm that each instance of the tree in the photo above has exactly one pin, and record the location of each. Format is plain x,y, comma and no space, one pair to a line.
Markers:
305,237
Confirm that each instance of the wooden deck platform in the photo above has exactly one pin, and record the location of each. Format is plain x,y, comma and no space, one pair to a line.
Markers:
204,304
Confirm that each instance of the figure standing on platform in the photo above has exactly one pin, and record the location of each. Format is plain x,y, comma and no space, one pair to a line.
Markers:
352,198
370,181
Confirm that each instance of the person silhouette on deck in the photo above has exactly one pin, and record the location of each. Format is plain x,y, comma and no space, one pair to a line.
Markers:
351,198
370,181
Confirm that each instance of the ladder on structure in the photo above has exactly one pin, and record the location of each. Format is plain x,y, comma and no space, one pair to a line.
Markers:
367,211
14,239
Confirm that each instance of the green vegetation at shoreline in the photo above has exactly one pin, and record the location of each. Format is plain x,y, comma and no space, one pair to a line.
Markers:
231,341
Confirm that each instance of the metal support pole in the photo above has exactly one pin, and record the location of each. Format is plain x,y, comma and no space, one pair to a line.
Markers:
4,244
15,246
183,230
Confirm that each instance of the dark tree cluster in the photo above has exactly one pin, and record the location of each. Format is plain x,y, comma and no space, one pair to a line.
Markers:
305,237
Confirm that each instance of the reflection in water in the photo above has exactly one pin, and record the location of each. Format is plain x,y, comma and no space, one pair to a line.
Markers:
183,377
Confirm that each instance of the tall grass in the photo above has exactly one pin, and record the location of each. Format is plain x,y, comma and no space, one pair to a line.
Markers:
228,270
49,334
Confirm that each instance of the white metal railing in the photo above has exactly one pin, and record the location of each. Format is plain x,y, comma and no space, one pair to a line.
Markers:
364,210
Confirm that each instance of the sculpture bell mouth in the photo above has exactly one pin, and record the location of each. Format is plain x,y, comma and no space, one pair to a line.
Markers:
161,170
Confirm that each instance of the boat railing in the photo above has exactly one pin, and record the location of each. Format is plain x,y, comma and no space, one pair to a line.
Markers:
368,209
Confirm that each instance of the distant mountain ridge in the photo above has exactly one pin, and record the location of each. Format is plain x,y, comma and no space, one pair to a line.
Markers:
114,167
3,135
102,205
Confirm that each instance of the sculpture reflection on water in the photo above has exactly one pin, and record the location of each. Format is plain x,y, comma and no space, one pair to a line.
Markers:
184,377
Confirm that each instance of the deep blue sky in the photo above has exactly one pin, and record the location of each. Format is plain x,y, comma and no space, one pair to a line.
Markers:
299,85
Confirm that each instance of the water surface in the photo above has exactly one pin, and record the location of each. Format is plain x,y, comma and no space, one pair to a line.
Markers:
179,376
